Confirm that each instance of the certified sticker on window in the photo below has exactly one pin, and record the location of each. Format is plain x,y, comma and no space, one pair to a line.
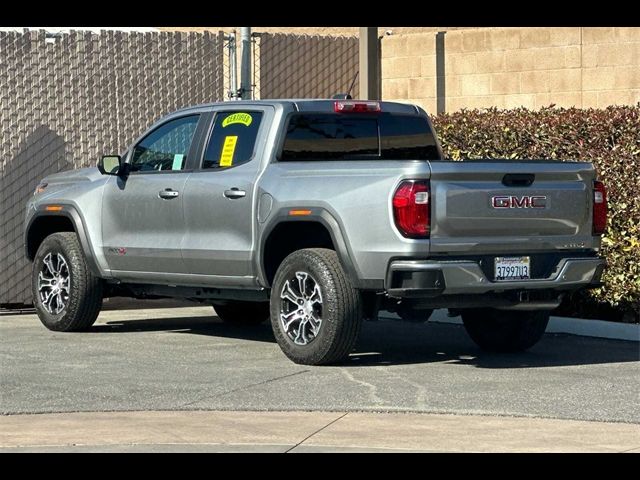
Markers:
237,118
228,149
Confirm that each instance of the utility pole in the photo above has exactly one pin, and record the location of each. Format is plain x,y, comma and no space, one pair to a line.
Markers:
245,65
369,64
233,66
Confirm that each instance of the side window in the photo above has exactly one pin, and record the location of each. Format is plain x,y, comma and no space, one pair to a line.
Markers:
166,147
232,140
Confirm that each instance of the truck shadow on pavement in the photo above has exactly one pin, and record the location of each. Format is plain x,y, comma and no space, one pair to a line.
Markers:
400,343
392,342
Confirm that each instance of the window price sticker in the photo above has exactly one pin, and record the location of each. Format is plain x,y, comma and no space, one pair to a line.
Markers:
228,149
177,161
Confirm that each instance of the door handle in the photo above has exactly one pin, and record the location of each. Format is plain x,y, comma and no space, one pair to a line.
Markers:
235,193
168,193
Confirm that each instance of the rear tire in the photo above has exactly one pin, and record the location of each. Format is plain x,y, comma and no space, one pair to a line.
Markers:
66,295
242,313
316,312
504,330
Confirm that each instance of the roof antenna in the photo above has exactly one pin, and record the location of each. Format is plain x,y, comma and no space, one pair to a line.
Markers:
346,96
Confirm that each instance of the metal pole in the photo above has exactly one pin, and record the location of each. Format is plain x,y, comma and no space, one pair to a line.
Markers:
233,65
369,68
245,65
441,92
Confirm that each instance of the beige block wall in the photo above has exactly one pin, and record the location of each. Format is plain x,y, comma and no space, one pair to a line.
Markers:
516,67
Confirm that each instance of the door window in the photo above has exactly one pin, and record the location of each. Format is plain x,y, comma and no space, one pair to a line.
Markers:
233,139
165,148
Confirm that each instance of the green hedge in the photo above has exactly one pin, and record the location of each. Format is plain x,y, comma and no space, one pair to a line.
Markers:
609,138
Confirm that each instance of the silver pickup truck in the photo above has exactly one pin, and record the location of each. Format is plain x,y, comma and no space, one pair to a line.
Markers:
316,214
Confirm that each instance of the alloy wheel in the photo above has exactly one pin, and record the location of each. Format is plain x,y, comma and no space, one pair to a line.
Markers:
301,308
54,280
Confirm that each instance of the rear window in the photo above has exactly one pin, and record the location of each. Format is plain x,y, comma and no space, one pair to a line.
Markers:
386,136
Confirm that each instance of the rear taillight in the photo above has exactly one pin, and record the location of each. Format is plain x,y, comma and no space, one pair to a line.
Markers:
599,208
356,106
411,209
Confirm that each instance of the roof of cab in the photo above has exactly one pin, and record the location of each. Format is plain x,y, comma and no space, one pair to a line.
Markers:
305,105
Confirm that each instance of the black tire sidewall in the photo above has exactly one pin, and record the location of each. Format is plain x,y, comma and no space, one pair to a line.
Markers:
505,331
52,244
306,261
68,246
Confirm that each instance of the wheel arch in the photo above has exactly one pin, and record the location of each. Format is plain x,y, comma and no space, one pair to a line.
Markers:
321,230
44,223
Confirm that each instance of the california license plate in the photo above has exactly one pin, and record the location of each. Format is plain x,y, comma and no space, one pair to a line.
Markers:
512,268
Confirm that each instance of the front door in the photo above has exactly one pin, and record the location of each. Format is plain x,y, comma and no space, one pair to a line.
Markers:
219,198
142,214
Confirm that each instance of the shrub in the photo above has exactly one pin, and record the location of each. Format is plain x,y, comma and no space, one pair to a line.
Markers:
610,138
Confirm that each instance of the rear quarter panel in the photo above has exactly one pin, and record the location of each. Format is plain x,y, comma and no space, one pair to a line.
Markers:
357,194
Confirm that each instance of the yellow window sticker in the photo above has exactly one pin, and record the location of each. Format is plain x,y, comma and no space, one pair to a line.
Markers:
241,118
228,149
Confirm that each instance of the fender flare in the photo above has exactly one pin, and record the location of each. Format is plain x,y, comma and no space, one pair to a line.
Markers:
70,212
318,215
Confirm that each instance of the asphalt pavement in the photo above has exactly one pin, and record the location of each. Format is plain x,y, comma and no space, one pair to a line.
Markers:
186,359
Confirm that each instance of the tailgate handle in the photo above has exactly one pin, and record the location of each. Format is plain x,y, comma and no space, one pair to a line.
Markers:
518,179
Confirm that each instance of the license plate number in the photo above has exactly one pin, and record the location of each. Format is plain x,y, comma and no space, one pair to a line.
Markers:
512,268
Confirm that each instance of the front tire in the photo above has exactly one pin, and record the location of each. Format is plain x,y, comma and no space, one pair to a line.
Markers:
316,312
66,295
242,313
504,330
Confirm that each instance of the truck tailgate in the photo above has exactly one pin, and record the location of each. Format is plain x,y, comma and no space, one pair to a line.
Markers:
497,206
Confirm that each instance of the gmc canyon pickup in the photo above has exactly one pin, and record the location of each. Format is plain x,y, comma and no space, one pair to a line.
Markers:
316,214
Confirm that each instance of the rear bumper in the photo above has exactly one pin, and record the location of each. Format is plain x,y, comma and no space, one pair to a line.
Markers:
429,278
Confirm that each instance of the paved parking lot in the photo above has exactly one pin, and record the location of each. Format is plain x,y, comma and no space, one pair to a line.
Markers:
185,359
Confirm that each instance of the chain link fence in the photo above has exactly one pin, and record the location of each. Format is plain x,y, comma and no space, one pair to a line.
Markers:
304,66
67,99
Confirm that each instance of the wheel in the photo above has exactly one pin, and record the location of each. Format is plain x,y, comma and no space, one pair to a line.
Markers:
316,312
504,330
66,295
408,314
242,313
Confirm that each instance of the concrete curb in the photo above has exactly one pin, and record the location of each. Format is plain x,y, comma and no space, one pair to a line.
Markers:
245,431
572,326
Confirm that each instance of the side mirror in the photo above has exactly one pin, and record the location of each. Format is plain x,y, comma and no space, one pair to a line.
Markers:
110,164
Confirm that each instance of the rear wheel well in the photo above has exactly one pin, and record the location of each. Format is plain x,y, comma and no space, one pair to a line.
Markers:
44,226
287,237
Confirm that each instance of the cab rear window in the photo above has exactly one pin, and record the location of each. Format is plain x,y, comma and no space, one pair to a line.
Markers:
386,136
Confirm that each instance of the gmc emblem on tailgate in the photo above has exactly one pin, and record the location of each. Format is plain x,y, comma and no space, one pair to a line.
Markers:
512,201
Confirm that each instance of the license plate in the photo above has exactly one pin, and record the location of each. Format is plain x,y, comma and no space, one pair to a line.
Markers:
512,268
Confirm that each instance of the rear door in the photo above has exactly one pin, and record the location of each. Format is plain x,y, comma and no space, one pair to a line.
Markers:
509,206
219,200
142,214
